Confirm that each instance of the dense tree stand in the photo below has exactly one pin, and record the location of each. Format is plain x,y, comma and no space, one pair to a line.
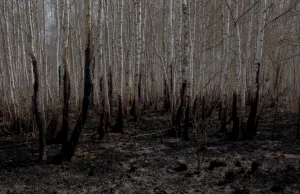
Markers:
168,86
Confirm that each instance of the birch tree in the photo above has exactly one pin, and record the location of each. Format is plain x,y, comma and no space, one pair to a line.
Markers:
73,142
238,61
170,63
136,101
225,53
184,106
252,122
105,101
66,78
119,122
35,99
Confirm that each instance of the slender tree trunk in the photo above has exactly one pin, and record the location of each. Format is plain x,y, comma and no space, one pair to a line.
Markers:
170,58
224,86
136,100
57,48
235,119
252,122
67,87
119,122
298,120
35,99
105,105
10,64
185,88
244,71
109,55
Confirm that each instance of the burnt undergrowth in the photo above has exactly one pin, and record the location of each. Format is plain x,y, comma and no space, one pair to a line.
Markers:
145,159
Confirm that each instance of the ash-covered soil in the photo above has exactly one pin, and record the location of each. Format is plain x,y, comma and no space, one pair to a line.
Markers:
146,160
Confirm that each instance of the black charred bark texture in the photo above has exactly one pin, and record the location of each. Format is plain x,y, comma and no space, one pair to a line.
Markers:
179,112
118,128
167,103
223,118
110,90
140,87
133,110
104,120
252,122
66,106
73,142
186,121
235,119
298,122
36,112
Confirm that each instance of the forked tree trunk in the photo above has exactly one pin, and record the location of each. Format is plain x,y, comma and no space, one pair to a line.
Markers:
35,99
73,142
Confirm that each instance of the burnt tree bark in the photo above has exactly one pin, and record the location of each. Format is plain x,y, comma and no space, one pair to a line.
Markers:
252,123
298,122
36,112
35,99
235,119
73,142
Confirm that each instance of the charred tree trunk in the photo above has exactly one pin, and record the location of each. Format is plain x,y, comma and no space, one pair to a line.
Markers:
104,88
67,87
73,142
180,109
298,122
118,128
186,121
167,103
110,90
133,110
104,121
223,113
36,112
35,99
252,124
65,120
235,119
85,106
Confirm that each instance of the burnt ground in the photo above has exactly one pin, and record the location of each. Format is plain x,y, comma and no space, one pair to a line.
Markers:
145,160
